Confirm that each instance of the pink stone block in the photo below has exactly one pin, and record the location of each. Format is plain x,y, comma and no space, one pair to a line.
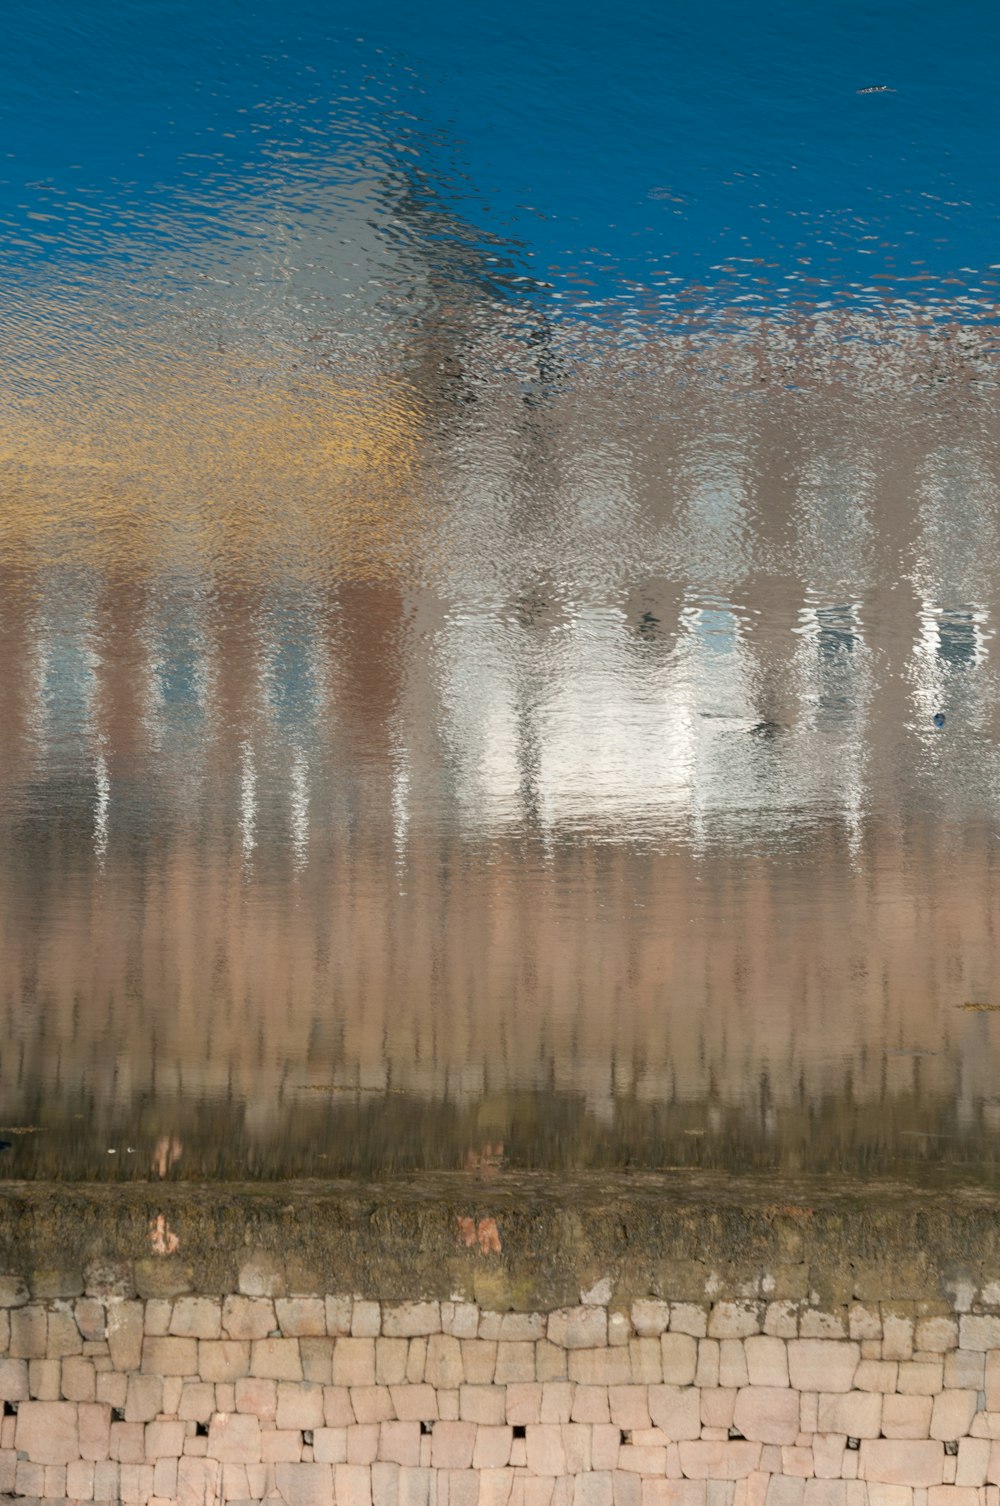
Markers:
719,1461
546,1454
47,1431
767,1414
676,1410
248,1317
899,1462
493,1445
452,1445
234,1437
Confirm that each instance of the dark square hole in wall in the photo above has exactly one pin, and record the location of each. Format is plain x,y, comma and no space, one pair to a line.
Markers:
735,1434
117,1414
854,1443
520,1431
10,1409
201,1430
307,1436
626,1435
951,1447
426,1427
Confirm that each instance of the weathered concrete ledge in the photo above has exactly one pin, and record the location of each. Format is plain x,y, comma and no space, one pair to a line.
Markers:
517,1243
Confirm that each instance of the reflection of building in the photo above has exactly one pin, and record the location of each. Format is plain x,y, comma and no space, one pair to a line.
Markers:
628,798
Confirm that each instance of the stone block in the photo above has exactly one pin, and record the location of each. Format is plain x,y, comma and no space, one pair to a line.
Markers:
414,1486
952,1495
876,1375
626,1490
492,1450
399,1443
991,1381
108,1279
676,1410
28,1333
828,1455
966,1369
44,1378
973,1461
106,1480
157,1277
416,1357
127,1442
479,1360
63,1337
316,1355
823,1364
353,1362
732,1363
898,1462
13,1380
164,1440
952,1414
495,1486
599,1367
144,1397
234,1438
47,1432
734,1320
921,1378
781,1319
978,1332
718,1406
79,1480
460,1319
589,1404
452,1445
225,1360
678,1358
766,1360
197,1401
313,1484
198,1481
13,1291
650,1318
645,1362
362,1443
169,1356
594,1489
707,1373
90,1317
491,1405
372,1404
578,1327
689,1318
339,1311
936,1334
303,1317
557,1401
443,1365
551,1362
78,1379
94,1430
300,1405
248,1317
629,1406
858,1414
284,1445
814,1324
546,1454
279,1359
156,1320
407,1320
767,1414
338,1412
414,1403
864,1321
783,1490
385,1486
390,1361
710,1460
906,1417
330,1445
196,1318
642,1459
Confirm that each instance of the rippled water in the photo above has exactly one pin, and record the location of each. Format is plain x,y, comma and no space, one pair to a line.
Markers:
498,537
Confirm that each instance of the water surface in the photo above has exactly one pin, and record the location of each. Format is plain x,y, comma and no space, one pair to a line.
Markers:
498,529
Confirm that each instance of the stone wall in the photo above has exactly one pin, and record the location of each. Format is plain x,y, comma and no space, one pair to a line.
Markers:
531,1341
332,1398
